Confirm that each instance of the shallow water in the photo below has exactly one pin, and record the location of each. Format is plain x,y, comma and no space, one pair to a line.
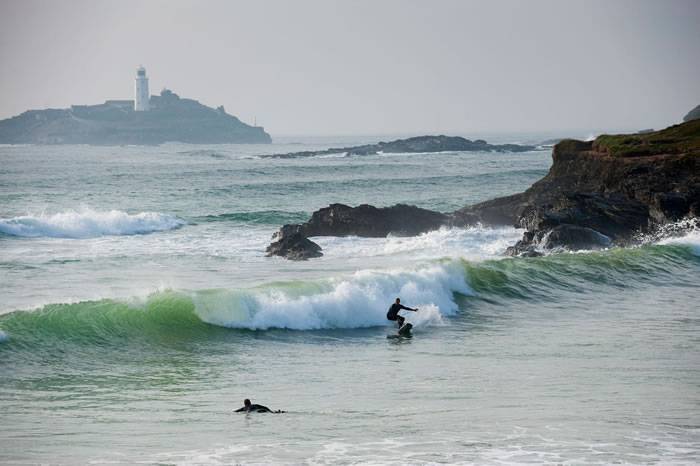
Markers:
138,310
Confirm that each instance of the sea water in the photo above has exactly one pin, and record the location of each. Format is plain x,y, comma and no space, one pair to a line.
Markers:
138,310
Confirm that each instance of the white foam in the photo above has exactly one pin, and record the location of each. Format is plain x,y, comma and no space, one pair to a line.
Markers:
691,238
474,243
88,223
360,300
335,155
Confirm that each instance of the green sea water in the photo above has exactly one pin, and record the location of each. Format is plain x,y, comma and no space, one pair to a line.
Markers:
138,310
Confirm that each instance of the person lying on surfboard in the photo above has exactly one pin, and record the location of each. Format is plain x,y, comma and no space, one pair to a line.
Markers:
248,407
393,312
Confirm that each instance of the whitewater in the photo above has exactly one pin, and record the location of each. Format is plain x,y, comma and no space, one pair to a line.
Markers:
138,310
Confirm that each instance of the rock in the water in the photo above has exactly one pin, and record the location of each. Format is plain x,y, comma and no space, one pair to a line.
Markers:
416,144
496,212
373,222
292,244
574,237
612,215
564,236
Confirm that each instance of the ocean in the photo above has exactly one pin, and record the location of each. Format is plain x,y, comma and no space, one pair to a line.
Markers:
138,310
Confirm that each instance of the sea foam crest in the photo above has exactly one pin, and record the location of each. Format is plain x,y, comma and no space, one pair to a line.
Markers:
360,300
88,223
476,242
688,234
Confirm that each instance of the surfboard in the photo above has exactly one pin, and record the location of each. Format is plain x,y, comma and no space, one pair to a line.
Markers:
405,330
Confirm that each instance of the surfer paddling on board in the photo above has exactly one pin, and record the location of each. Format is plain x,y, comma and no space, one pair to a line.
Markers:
248,407
393,312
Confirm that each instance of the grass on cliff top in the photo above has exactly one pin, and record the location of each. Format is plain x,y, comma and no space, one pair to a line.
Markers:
676,139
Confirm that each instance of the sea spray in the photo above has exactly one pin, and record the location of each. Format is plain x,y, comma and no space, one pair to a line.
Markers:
88,223
475,242
690,239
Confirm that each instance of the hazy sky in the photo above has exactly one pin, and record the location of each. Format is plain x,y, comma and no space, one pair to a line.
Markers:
366,67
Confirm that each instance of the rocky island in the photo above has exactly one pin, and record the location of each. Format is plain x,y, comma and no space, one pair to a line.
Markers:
610,191
418,144
169,119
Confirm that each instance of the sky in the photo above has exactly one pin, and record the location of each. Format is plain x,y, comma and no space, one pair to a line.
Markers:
366,67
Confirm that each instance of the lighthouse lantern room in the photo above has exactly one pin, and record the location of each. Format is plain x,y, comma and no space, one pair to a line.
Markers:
141,95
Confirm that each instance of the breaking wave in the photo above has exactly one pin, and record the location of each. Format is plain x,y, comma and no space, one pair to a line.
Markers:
357,301
88,223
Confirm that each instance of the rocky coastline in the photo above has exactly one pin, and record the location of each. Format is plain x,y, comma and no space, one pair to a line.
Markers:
608,192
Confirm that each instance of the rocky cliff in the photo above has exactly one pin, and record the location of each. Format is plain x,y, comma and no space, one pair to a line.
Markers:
170,119
619,186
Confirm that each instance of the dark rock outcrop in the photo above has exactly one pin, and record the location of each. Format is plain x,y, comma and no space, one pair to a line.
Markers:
291,243
414,145
612,215
618,186
372,222
498,212
170,119
564,236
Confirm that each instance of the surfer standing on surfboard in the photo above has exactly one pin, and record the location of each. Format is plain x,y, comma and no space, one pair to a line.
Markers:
393,312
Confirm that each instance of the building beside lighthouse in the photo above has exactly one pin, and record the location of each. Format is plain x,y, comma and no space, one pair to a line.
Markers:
141,94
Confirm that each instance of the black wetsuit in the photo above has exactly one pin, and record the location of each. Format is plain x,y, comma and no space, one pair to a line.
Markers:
393,313
254,409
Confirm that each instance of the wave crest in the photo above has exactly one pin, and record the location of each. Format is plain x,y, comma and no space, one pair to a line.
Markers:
88,223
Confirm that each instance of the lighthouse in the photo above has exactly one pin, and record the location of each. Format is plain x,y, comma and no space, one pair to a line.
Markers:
141,94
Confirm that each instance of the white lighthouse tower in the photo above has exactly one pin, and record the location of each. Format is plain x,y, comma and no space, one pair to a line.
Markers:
141,94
